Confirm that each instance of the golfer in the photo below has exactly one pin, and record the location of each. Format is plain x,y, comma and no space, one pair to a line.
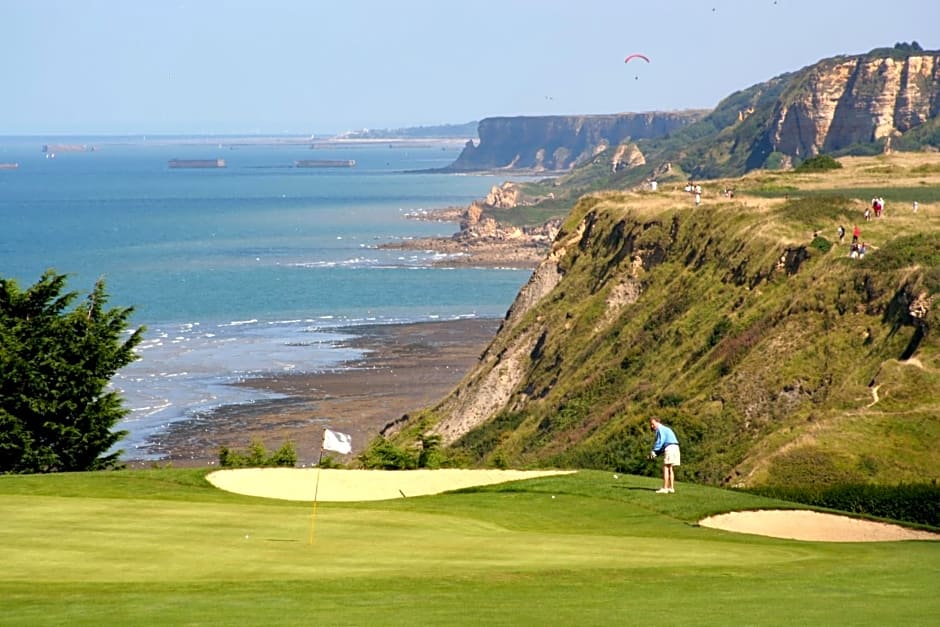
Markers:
668,445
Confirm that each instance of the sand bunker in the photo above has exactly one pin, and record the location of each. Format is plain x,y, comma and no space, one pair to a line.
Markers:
299,484
814,526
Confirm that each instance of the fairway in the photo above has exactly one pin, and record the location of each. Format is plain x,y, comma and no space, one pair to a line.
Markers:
165,547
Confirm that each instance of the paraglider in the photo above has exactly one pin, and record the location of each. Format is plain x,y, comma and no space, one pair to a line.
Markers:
636,55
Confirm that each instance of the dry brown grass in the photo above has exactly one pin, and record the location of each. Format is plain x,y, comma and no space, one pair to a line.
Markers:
892,170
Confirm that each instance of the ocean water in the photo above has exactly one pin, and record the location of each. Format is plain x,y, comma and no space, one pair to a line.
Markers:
242,271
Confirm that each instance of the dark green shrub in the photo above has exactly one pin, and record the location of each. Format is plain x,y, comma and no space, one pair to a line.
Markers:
383,455
430,454
286,456
916,503
671,399
821,244
774,161
719,331
228,458
329,462
479,442
819,163
257,456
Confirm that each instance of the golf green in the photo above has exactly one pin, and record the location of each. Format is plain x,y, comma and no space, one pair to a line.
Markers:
165,547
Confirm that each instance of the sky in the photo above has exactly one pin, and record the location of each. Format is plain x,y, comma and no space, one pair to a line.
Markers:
325,67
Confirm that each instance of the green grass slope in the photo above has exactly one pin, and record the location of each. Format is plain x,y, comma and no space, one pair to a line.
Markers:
163,547
744,324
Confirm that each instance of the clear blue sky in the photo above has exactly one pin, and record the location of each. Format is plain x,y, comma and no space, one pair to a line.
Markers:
326,66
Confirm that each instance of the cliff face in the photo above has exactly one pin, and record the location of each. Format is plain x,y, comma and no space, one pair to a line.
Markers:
856,100
887,99
742,323
555,143
860,104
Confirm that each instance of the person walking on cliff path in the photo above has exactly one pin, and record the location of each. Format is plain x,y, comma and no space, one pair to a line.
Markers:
667,445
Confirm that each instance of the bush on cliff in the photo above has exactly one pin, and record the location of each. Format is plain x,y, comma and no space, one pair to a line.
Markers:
819,163
257,456
382,454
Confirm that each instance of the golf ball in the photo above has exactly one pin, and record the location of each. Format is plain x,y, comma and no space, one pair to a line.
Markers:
615,476
553,496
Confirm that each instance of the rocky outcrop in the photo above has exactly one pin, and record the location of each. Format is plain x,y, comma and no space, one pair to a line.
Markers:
887,99
509,195
494,383
847,101
478,399
476,225
843,105
627,156
559,143
506,196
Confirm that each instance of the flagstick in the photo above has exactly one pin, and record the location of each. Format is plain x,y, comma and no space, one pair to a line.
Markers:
339,442
316,491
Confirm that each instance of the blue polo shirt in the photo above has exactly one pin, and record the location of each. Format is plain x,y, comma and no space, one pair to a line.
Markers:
664,437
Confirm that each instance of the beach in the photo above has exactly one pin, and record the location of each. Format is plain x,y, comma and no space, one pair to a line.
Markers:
406,367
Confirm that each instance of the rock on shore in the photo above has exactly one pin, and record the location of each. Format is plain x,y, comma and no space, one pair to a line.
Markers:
482,241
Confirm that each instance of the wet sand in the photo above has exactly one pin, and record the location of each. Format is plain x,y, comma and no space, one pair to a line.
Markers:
407,367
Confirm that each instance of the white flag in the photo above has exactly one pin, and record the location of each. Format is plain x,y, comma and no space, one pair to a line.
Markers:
336,441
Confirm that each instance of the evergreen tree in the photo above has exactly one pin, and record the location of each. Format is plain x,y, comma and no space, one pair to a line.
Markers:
55,411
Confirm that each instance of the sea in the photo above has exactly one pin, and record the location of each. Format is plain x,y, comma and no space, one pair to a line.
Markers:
256,268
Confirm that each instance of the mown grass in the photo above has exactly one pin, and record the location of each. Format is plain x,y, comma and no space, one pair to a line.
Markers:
159,547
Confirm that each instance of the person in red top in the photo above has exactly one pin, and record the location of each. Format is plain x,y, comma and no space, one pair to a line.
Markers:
856,233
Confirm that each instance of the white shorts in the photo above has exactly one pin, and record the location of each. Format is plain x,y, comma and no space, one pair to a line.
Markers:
671,456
